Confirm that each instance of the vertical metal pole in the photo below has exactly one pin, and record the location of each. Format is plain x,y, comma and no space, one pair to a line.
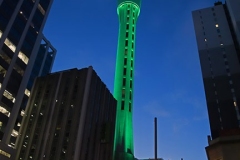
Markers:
155,137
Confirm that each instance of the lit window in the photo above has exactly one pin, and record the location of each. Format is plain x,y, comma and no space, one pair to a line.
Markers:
22,113
0,33
216,25
9,96
4,111
14,133
27,92
5,153
41,9
10,44
205,40
23,57
235,104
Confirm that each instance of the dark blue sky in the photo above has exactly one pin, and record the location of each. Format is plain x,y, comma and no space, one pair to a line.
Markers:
168,82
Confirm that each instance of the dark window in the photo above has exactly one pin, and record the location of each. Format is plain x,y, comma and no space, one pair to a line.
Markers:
130,107
124,81
127,26
126,43
123,93
125,61
127,34
130,84
122,106
124,71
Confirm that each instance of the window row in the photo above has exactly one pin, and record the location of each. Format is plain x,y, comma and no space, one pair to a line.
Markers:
127,27
125,62
129,107
128,35
124,83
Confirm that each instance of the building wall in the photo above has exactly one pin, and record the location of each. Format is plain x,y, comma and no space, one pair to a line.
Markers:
70,115
21,25
226,148
233,7
220,67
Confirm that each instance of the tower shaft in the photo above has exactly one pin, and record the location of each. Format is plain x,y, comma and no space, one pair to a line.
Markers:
128,12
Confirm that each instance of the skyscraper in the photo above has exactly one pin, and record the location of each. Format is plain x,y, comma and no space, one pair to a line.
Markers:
70,116
128,12
217,31
24,54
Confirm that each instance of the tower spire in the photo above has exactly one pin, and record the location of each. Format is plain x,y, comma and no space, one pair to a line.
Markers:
128,12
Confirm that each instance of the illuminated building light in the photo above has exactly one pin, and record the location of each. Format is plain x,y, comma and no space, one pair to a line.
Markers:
14,133
23,57
10,44
41,9
22,113
5,153
27,92
4,111
9,96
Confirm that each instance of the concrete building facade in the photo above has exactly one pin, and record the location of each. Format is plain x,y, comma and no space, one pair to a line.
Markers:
24,54
217,33
70,115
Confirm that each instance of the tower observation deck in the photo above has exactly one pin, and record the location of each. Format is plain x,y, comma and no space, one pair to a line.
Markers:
128,12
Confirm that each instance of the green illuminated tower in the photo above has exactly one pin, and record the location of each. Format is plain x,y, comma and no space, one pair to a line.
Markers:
128,12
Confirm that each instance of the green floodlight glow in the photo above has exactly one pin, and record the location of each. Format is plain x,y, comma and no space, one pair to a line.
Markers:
128,12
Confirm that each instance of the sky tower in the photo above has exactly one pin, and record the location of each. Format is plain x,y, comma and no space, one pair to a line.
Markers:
128,12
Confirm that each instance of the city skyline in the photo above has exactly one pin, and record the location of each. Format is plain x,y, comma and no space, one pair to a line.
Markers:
168,81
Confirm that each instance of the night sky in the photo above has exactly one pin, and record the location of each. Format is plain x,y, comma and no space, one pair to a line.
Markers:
168,82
